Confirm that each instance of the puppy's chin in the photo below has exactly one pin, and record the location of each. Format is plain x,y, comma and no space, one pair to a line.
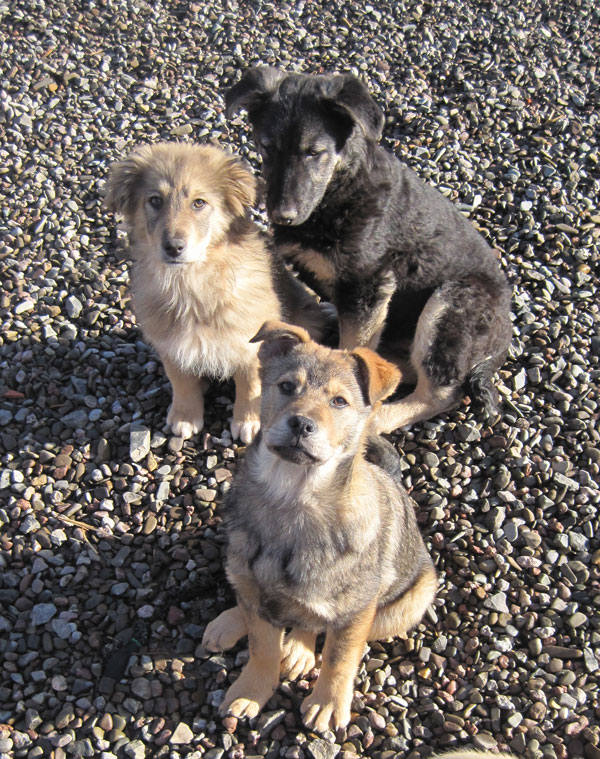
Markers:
295,455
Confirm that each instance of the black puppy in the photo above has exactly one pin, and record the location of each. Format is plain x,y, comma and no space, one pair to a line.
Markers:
403,267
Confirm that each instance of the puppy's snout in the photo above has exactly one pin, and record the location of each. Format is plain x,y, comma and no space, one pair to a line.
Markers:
174,246
302,425
285,215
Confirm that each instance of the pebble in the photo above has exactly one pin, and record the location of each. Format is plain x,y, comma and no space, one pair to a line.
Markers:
65,716
141,688
139,443
76,419
73,306
320,749
42,613
577,619
63,628
136,749
182,734
497,602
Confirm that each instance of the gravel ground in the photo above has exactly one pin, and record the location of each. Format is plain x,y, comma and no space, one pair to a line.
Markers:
104,516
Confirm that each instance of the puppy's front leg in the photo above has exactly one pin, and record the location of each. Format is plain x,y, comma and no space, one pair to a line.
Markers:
328,706
186,412
260,676
362,315
246,409
298,653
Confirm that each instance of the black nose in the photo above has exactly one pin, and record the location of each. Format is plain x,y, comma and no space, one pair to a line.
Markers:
286,215
302,425
174,247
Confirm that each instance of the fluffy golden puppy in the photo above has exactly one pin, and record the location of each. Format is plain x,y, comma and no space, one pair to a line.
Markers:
203,281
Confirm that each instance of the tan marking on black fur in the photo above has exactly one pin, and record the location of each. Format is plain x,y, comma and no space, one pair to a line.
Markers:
367,331
317,264
423,403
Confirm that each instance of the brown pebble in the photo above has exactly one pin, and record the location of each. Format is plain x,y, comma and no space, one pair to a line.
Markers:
150,524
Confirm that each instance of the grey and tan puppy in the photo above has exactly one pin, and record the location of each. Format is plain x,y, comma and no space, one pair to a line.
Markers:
320,538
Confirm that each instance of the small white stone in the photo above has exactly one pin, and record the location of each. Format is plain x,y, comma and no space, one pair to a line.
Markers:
23,306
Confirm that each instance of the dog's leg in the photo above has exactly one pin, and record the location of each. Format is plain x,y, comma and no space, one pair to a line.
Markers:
186,412
246,409
364,329
402,615
431,396
260,676
461,337
224,632
426,401
298,653
302,308
328,706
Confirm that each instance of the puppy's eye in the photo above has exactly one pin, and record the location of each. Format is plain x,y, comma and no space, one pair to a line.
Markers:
156,202
339,402
198,204
287,388
313,152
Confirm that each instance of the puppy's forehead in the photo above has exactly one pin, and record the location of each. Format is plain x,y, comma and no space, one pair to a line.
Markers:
301,121
185,171
319,367
179,177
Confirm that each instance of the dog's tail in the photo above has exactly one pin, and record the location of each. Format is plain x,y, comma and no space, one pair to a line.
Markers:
480,387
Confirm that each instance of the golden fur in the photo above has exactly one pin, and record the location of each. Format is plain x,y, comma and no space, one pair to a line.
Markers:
200,305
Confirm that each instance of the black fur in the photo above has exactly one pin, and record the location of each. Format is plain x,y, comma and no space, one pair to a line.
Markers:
381,452
376,222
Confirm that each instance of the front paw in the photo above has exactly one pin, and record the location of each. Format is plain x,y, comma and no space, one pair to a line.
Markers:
185,422
224,632
248,694
241,708
245,430
297,658
325,713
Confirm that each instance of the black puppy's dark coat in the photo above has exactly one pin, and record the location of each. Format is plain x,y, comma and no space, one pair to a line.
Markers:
400,263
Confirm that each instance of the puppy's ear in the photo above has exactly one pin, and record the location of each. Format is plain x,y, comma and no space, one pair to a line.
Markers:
278,339
349,96
376,376
256,87
240,187
124,181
